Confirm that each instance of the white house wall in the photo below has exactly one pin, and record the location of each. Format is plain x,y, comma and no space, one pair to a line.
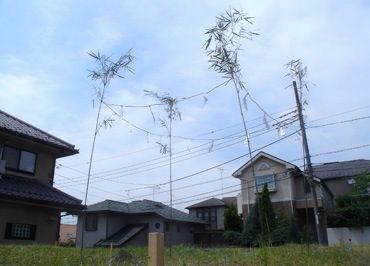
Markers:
110,224
91,237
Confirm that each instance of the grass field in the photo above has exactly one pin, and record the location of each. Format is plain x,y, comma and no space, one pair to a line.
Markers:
181,255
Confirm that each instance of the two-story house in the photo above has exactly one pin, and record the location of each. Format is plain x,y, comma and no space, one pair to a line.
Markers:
212,211
288,187
30,206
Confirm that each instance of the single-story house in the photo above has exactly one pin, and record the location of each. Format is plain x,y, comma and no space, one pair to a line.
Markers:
128,224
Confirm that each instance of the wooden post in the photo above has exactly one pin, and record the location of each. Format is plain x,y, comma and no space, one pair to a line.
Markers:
156,249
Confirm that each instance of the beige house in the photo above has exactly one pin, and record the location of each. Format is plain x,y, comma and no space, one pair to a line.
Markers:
30,206
289,189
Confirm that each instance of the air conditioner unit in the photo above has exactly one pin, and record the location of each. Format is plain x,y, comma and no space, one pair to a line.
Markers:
2,167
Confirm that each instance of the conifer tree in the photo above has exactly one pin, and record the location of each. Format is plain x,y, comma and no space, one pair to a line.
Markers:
267,213
232,220
252,228
293,236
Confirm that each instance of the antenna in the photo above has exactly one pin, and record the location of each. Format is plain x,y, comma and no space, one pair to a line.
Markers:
221,169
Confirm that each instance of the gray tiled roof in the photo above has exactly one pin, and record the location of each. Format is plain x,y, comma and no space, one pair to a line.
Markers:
30,190
144,206
335,170
212,202
13,125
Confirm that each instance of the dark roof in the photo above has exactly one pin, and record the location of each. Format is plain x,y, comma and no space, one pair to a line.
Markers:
344,169
30,190
144,206
212,202
15,126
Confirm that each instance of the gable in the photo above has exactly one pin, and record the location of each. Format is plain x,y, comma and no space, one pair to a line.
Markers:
263,162
213,202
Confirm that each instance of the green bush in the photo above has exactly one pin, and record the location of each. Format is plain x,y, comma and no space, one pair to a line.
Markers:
233,238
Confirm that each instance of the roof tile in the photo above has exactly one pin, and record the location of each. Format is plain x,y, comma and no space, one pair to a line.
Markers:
16,126
144,206
26,189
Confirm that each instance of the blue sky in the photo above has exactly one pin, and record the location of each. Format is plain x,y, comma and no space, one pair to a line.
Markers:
44,81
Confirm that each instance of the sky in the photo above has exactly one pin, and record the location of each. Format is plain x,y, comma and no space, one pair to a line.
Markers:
44,80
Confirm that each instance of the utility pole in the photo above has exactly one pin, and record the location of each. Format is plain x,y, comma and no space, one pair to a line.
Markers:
308,164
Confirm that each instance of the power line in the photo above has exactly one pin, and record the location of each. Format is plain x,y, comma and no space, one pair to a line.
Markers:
140,166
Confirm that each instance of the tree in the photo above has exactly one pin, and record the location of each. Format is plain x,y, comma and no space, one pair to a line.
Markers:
293,236
353,208
232,220
267,213
252,228
106,70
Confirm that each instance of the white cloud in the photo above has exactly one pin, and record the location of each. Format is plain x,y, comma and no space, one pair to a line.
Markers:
43,79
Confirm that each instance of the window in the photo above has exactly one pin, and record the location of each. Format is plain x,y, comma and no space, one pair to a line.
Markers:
306,186
269,179
263,166
167,227
20,231
91,223
178,227
19,160
71,236
208,215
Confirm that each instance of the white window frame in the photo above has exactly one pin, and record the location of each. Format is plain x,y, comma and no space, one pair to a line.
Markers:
269,179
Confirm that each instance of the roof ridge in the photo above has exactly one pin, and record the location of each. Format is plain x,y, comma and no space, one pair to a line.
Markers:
69,145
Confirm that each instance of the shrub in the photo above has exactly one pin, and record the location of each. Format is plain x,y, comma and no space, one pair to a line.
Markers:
233,238
232,221
252,229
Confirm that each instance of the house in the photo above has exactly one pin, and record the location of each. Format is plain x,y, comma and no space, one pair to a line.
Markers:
288,187
212,211
128,224
67,234
30,206
339,176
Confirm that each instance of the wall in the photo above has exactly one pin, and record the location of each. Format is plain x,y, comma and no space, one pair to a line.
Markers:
46,220
338,186
283,190
91,237
45,161
348,235
112,223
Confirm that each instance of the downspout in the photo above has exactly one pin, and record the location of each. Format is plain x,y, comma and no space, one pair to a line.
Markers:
291,194
248,203
58,231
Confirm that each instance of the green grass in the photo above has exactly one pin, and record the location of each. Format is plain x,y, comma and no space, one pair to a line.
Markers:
182,255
